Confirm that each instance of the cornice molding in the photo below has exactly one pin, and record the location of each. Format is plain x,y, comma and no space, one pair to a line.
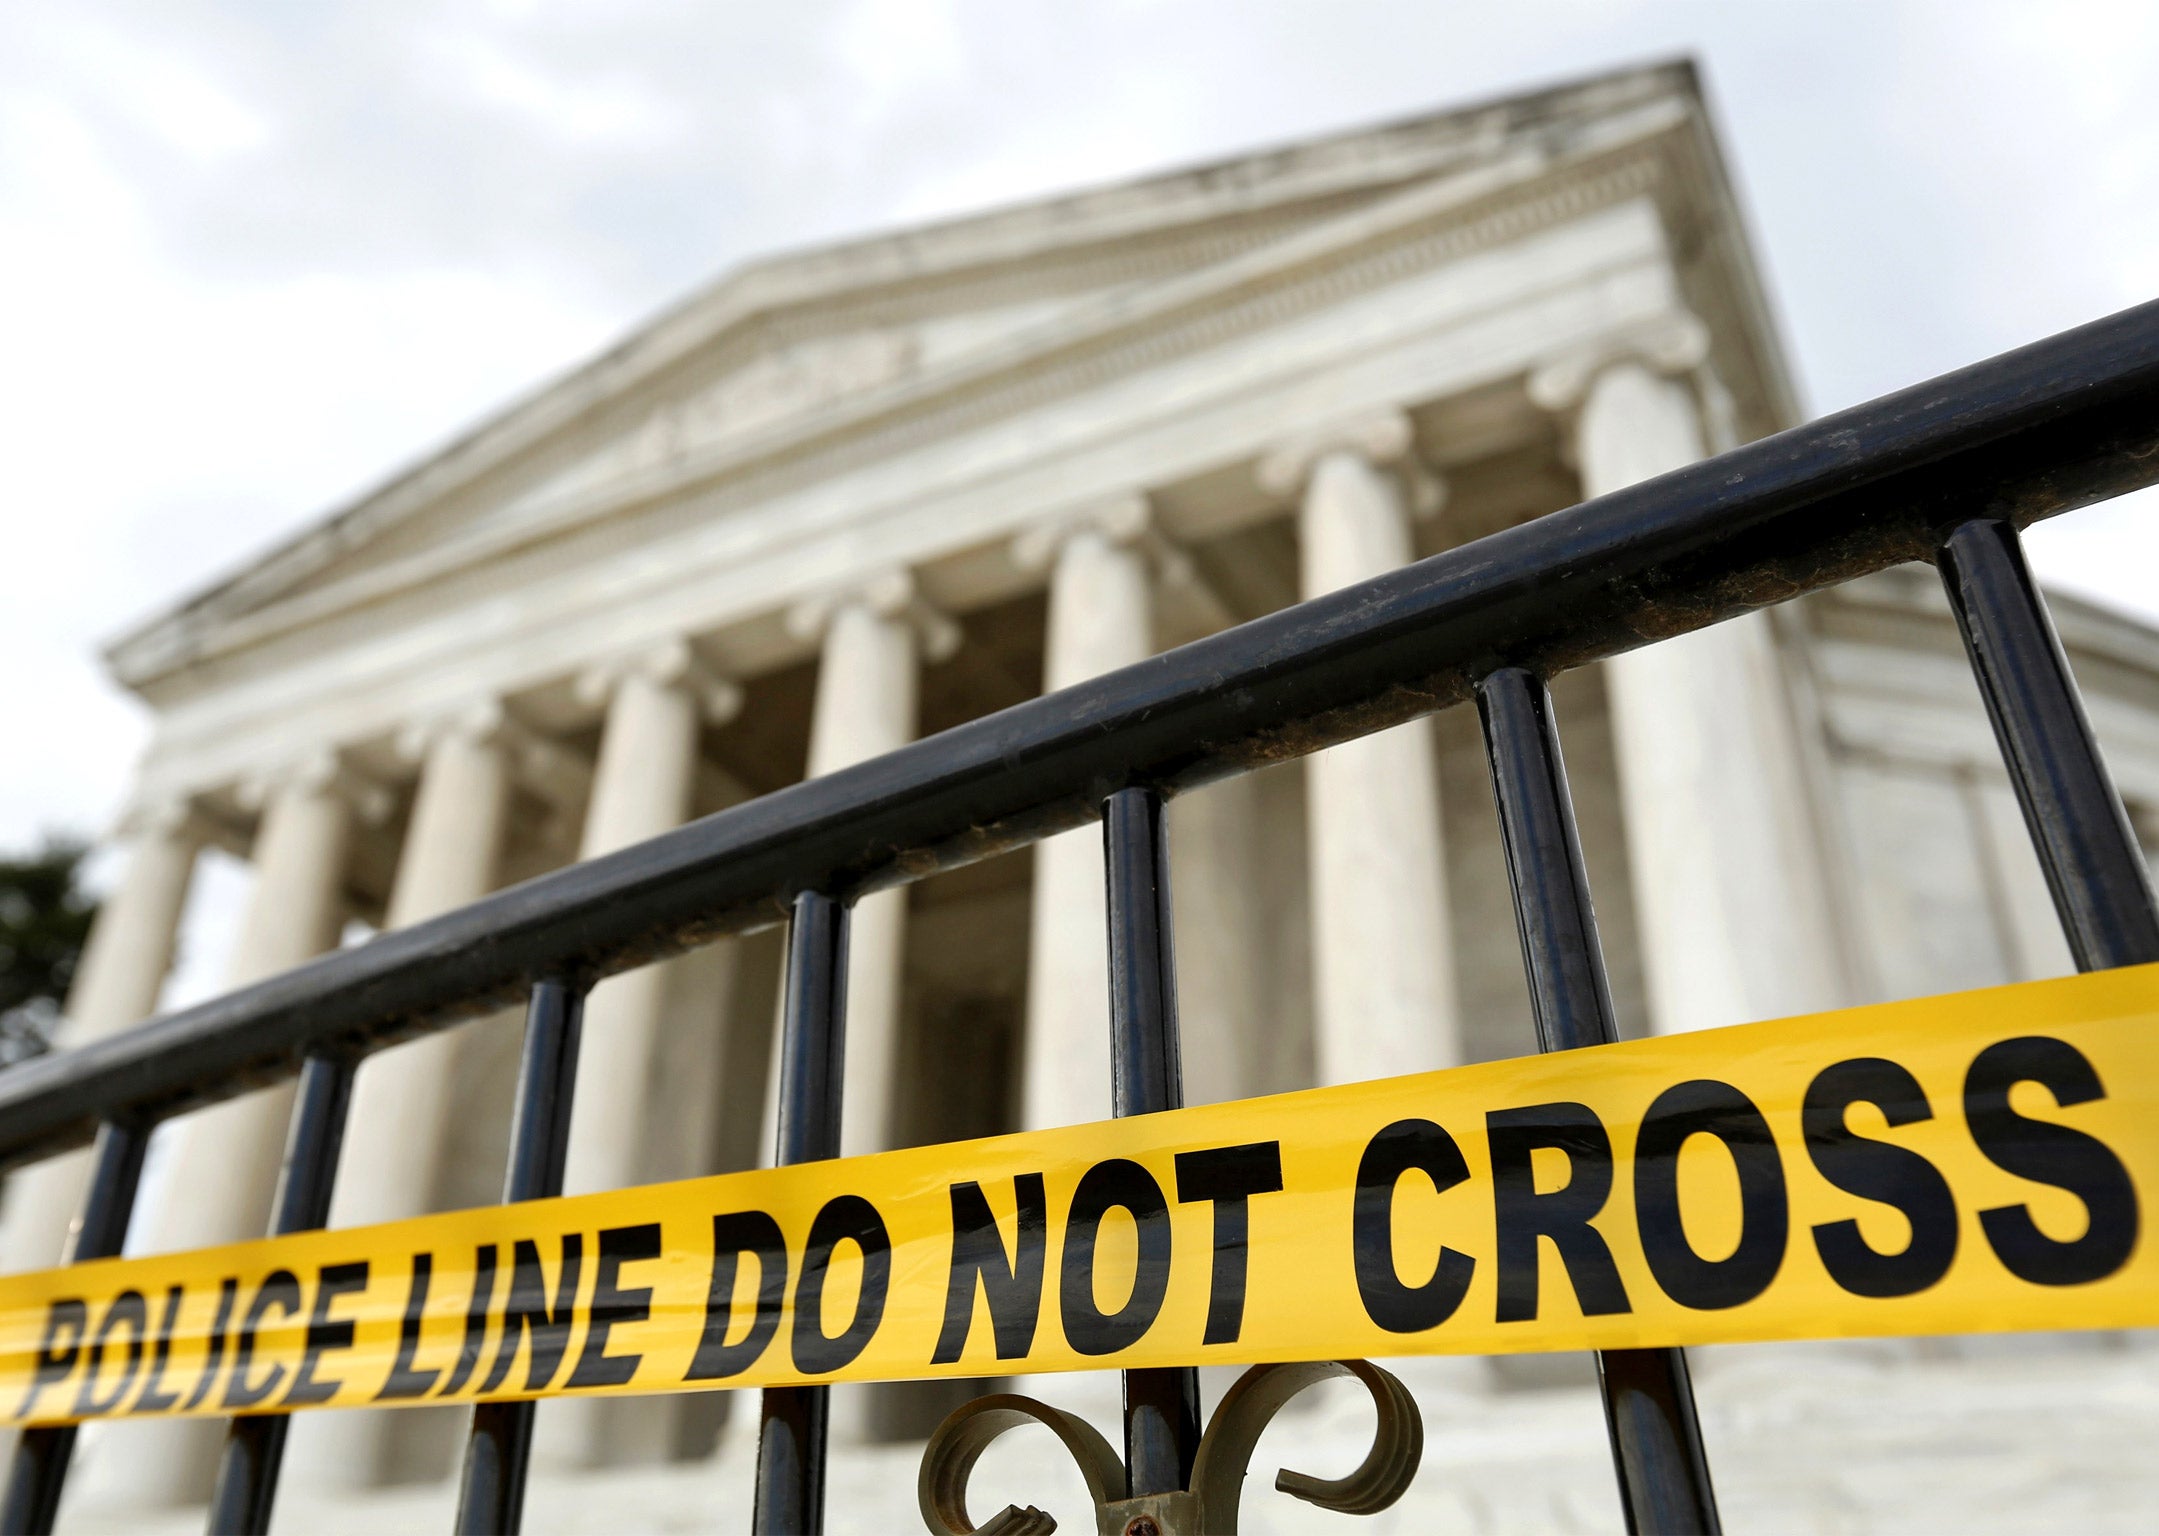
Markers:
733,338
1427,226
1137,225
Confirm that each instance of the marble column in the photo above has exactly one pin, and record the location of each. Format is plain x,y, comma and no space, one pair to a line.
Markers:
874,640
1382,954
1101,617
402,1111
122,971
219,1166
645,783
1728,867
400,1107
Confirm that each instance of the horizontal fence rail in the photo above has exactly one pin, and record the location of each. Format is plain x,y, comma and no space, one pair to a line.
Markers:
2024,436
1946,472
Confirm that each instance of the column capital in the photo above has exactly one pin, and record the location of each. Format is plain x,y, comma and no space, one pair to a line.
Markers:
1671,344
169,817
671,663
892,594
557,773
321,772
1385,439
1126,520
481,723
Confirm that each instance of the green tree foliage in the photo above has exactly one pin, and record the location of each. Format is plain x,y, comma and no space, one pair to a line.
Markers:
44,921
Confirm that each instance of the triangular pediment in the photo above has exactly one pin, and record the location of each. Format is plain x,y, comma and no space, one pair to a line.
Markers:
783,346
777,369
755,382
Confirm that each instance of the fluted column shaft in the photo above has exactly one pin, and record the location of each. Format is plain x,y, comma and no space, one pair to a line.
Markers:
454,839
131,944
868,682
643,786
873,640
400,1121
220,1165
117,984
644,783
1733,900
401,1108
1101,617
1382,955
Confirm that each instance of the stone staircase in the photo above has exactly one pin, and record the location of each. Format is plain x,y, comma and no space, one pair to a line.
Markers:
1834,1440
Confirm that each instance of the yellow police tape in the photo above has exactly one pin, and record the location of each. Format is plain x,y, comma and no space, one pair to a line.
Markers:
1957,1164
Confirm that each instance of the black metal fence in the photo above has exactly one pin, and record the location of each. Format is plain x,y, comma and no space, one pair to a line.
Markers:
1946,472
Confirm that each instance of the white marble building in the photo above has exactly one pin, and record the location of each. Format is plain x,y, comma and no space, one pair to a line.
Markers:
845,498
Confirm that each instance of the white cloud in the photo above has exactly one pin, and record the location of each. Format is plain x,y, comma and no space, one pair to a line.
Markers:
254,255
158,88
158,424
570,108
892,50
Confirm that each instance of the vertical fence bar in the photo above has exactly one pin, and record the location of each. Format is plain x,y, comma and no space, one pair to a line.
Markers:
491,1499
247,1471
2094,867
1657,1451
813,1052
38,1471
1161,1406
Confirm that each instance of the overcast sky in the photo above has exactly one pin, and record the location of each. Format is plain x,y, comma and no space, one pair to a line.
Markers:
254,256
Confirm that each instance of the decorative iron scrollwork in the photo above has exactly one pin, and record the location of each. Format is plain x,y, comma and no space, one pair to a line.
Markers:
1209,1506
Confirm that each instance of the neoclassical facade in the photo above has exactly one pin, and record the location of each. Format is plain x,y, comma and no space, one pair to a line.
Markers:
846,498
